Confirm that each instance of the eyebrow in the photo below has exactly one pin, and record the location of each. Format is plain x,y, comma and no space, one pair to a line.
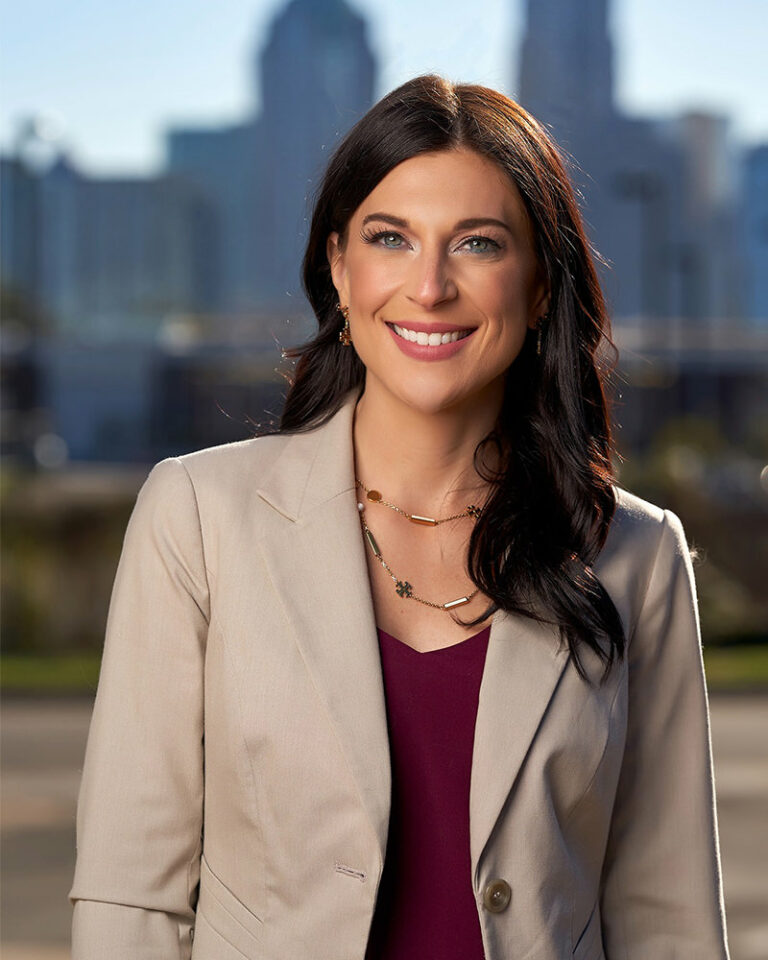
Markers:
469,224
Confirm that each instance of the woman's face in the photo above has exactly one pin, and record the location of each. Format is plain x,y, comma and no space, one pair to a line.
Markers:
442,248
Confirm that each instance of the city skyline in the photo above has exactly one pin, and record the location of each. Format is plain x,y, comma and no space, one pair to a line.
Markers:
135,301
117,126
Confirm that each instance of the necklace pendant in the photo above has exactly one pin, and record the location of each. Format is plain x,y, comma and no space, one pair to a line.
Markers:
374,496
474,511
426,521
404,589
456,603
372,540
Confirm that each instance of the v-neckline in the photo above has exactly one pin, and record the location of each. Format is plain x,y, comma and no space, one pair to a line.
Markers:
421,653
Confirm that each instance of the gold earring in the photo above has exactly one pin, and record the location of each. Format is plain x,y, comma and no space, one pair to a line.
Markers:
344,336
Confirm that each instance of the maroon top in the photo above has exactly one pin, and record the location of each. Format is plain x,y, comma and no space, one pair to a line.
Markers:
426,905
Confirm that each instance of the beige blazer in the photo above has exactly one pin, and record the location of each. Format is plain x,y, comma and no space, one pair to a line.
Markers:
236,788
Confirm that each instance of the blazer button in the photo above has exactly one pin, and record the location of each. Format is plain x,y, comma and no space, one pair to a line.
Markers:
497,895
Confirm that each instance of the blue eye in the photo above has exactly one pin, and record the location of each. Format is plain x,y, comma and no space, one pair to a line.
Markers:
386,236
482,244
392,240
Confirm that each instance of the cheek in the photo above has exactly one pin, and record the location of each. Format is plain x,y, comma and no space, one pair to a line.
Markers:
498,293
373,279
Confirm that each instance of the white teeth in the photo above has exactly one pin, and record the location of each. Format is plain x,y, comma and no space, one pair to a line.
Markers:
405,334
430,339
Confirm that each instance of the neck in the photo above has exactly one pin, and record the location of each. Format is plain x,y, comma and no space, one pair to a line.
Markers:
423,460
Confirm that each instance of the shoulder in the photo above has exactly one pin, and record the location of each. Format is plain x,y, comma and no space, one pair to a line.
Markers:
641,524
244,459
635,519
633,536
643,537
214,476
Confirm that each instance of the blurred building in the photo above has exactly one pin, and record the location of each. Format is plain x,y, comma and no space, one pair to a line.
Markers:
720,379
222,231
99,259
139,314
223,228
118,255
659,198
708,263
754,220
19,231
99,274
316,75
566,65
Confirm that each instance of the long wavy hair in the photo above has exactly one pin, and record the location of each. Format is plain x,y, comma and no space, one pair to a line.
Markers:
552,501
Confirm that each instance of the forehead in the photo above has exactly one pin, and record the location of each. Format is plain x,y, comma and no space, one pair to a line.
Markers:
449,184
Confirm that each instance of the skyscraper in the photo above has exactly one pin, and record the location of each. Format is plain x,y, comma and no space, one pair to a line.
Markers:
754,207
640,180
315,73
566,65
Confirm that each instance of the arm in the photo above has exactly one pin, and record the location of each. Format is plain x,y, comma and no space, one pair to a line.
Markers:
139,814
661,885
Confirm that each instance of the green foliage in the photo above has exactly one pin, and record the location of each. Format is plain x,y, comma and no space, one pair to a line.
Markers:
727,528
29,674
736,668
59,555
19,310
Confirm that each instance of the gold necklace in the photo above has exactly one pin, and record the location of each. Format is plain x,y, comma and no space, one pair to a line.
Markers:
375,497
402,587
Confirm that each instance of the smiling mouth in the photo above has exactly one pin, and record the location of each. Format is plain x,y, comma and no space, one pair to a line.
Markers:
429,339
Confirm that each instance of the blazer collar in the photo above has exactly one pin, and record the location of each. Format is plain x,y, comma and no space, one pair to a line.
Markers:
318,567
314,467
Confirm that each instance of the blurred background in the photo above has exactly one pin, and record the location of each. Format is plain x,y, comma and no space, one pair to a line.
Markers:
157,167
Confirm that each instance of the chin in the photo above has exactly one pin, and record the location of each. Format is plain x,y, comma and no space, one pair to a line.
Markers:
431,399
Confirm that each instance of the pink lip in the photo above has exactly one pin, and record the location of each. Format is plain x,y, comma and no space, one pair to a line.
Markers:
421,351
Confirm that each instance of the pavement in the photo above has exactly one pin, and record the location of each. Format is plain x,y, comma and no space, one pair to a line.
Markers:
43,742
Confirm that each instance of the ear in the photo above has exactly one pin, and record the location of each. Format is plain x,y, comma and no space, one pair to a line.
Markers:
539,302
337,263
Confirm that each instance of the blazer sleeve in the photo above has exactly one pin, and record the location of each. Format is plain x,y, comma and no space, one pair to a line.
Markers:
140,804
661,892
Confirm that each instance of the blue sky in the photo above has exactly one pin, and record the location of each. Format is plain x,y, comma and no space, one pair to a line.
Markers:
111,75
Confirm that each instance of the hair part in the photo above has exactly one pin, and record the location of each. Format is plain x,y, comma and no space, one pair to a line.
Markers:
552,502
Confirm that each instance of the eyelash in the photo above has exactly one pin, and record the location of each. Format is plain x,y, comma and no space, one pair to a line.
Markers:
374,237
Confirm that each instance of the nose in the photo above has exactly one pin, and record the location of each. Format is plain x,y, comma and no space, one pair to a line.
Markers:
430,282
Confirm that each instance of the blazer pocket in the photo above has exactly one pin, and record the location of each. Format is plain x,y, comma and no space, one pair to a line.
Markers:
589,946
227,915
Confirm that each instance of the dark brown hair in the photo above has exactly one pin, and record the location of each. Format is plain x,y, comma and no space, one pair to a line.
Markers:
553,500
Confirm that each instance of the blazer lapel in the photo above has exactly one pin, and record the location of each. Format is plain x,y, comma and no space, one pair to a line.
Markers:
523,666
316,557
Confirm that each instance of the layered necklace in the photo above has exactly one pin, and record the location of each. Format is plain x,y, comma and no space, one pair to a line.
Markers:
402,587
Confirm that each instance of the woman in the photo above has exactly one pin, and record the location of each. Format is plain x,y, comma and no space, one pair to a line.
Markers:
412,676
